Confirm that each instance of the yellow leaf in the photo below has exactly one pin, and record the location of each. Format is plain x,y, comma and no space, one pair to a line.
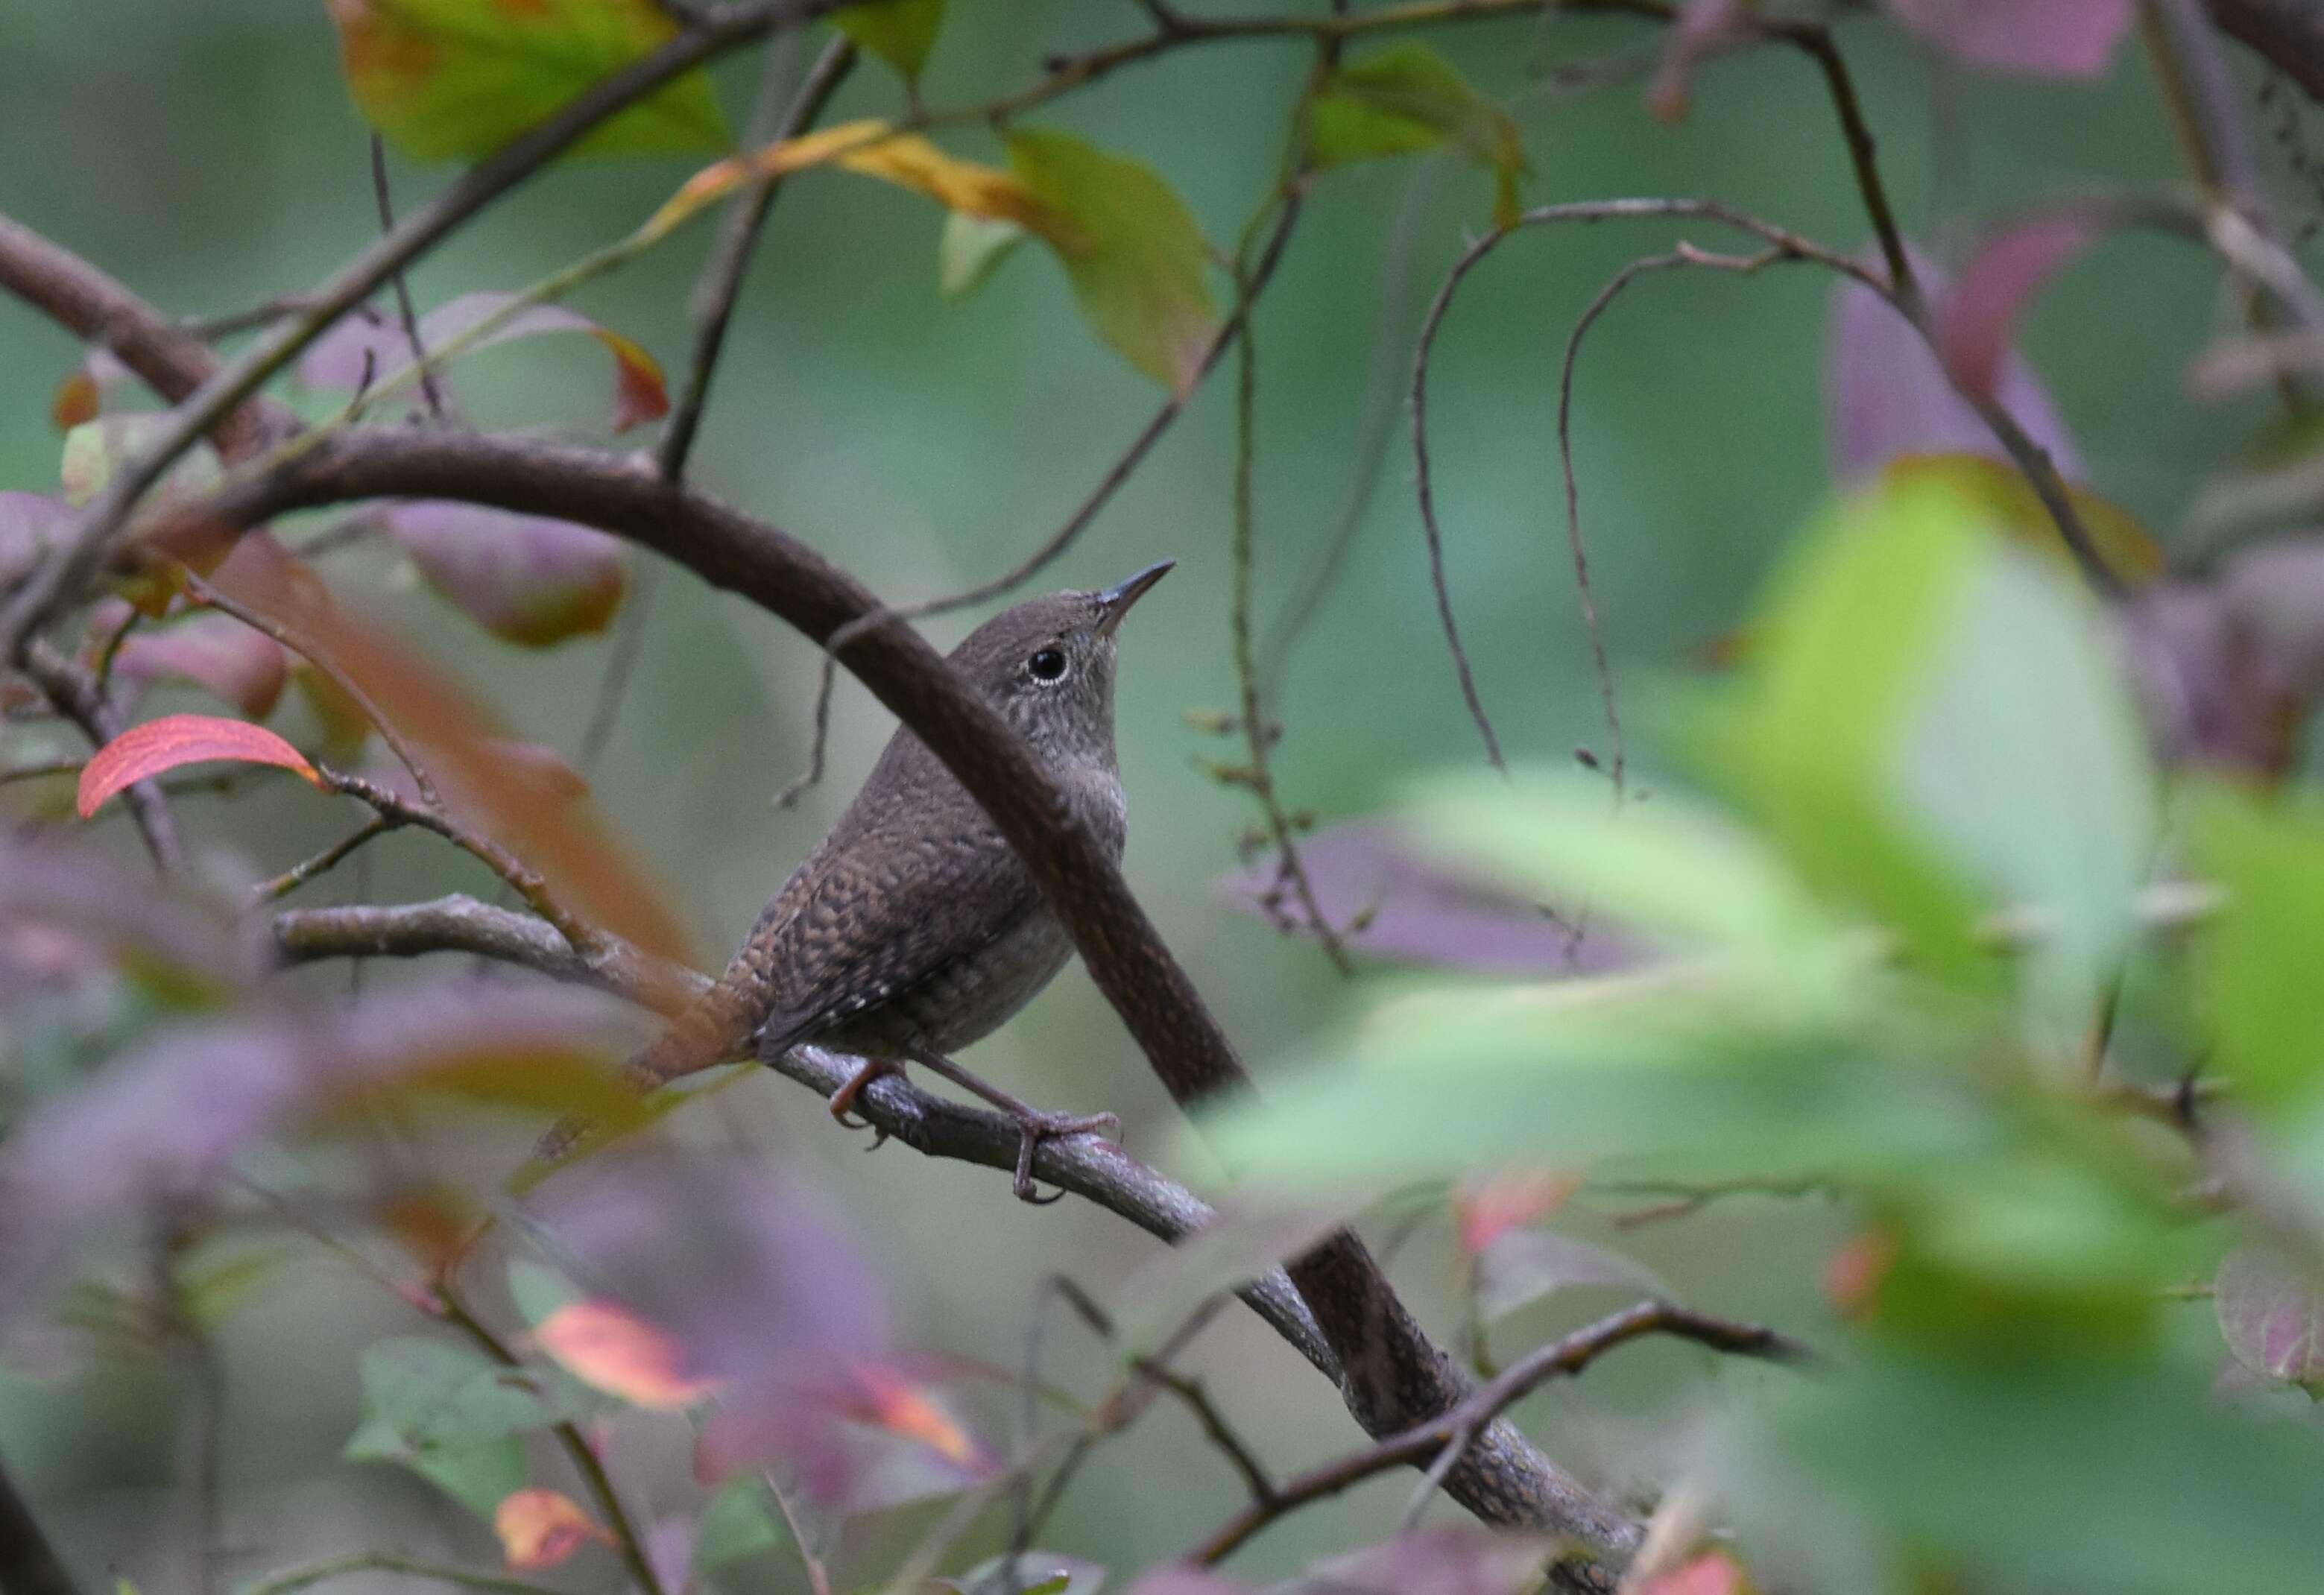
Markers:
2123,546
872,149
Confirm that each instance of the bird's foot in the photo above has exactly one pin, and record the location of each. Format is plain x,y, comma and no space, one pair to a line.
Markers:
1034,1126
842,1101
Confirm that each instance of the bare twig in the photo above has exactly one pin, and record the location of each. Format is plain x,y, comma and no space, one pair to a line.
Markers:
75,692
738,235
431,387
1683,257
1681,1199
1452,1432
316,655
330,858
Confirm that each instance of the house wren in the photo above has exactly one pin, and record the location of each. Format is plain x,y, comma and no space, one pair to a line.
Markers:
913,930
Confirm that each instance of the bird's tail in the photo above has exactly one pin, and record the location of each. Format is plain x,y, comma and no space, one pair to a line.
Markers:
715,1030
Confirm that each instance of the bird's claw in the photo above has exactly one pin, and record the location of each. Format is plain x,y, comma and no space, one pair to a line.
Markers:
842,1101
1033,1129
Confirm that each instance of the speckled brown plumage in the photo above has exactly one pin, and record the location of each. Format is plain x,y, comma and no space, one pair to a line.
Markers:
912,929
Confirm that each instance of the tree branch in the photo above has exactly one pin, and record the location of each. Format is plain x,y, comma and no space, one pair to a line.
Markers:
1557,1359
934,1126
79,699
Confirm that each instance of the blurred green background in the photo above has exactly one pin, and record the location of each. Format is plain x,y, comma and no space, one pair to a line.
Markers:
208,154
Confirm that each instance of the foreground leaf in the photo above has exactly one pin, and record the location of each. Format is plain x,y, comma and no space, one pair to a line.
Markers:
453,80
2271,1315
610,1349
540,1528
216,652
2049,38
870,149
174,740
1028,1573
1136,258
448,1414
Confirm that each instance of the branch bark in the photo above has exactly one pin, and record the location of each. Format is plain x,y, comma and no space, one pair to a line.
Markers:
2288,34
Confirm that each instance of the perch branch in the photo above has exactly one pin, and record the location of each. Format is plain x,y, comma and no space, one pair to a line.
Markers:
78,699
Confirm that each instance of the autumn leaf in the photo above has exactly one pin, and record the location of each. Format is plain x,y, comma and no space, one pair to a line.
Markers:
1410,99
219,654
1131,249
174,740
609,1348
870,149
887,1400
452,79
1489,1208
540,1528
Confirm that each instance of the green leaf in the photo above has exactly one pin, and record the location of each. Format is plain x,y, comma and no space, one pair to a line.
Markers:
1925,1472
1937,728
448,1414
899,31
1409,99
2256,956
970,248
1130,247
1668,867
454,79
741,1520
538,1290
479,1477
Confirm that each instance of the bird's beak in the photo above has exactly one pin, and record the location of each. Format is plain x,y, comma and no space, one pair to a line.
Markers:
1116,600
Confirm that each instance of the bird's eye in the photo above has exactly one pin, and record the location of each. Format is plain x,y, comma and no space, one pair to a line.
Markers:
1048,665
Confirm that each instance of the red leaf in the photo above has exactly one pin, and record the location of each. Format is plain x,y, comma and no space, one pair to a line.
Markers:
2053,38
1977,315
176,740
540,1528
75,401
1486,1211
525,578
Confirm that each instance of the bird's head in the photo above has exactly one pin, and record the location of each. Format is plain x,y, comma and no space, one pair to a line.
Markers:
1048,664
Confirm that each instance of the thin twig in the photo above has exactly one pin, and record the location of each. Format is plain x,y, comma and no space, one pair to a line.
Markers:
1681,1199
299,874
738,235
1256,733
429,385
314,654
1683,257
75,692
1452,1433
621,664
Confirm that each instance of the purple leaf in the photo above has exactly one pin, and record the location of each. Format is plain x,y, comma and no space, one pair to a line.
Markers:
1523,1266
525,578
1886,393
2227,666
58,902
1451,1561
28,523
2052,38
670,1551
338,358
161,1123
1183,1581
216,652
1975,319
1386,900
2271,1315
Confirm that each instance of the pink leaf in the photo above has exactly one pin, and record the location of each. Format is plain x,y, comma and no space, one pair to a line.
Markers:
2051,38
338,358
216,652
174,740
1887,395
1975,319
525,578
2271,1315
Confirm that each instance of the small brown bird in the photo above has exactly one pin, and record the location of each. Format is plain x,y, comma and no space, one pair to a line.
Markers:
913,930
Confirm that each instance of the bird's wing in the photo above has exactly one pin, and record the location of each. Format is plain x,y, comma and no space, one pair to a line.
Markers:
879,910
